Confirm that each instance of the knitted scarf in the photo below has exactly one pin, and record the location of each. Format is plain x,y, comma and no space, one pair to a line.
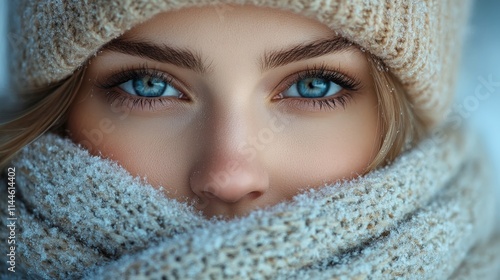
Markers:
427,215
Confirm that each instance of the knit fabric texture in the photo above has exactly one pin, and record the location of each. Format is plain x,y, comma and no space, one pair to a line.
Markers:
418,41
426,216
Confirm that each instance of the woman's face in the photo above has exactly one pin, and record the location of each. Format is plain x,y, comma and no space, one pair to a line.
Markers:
234,107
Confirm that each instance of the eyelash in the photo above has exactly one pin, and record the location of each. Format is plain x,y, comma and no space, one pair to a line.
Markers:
349,86
136,102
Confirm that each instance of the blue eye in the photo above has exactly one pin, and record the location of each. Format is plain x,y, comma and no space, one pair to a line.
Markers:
148,86
312,87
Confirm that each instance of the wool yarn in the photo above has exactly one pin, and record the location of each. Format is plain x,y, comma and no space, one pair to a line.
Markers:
426,216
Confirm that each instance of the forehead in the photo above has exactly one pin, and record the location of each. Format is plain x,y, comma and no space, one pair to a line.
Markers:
246,27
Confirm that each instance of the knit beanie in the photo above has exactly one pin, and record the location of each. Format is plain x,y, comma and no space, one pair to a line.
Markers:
419,41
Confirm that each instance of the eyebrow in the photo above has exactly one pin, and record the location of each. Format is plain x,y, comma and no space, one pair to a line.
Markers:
273,59
187,58
184,58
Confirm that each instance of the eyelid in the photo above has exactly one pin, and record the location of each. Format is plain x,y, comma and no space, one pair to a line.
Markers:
335,75
110,85
312,104
125,74
135,103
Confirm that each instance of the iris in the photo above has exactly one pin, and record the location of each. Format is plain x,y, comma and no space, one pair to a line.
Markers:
149,86
313,87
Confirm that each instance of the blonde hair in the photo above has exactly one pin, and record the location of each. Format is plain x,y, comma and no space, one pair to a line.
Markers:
399,126
45,109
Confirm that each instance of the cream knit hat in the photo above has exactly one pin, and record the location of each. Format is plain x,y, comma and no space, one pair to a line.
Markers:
418,40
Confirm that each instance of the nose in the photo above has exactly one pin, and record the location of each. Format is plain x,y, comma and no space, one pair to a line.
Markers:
228,170
230,180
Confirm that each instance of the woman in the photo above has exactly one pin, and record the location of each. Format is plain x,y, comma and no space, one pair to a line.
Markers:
208,151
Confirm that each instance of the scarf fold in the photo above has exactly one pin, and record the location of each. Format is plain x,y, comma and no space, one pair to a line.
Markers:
427,215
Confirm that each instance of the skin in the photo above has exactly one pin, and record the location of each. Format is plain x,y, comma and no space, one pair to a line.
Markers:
231,143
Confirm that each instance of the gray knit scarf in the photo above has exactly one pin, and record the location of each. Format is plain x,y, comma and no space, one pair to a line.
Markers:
425,216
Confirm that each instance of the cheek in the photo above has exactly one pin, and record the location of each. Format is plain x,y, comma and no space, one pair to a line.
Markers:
314,151
154,148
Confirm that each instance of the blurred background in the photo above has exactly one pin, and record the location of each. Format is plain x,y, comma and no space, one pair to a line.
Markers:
480,73
480,68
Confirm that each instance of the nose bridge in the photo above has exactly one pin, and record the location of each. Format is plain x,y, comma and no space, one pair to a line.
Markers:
231,122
